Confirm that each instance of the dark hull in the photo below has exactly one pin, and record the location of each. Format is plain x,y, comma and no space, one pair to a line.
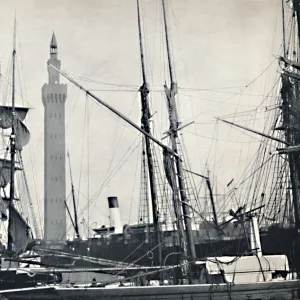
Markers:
10,279
116,247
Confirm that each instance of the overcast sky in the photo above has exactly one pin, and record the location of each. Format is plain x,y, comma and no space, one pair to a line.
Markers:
218,47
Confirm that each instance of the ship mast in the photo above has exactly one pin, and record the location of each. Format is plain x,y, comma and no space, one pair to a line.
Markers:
173,133
12,146
290,116
144,91
76,227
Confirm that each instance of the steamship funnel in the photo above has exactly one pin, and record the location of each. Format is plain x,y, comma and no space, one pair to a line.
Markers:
114,214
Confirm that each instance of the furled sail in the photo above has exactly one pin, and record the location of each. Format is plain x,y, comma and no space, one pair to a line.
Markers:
22,135
22,132
5,172
169,168
171,107
19,231
6,113
3,209
292,63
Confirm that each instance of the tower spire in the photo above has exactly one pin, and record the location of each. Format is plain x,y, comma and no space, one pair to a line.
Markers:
53,75
53,45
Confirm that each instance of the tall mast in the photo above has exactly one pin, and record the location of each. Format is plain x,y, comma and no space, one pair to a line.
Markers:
173,132
144,91
76,227
290,95
283,29
211,197
12,145
296,5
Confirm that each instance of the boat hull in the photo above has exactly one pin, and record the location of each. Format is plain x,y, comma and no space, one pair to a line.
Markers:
10,279
275,241
283,290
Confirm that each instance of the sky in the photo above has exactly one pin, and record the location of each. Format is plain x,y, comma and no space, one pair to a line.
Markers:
224,60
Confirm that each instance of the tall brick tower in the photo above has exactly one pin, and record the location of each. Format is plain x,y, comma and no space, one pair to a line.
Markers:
54,97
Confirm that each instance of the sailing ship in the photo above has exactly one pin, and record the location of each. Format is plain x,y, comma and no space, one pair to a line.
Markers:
256,275
139,243
18,256
251,277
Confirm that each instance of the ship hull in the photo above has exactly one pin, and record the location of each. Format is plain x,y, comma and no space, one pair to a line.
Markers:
287,290
274,241
10,279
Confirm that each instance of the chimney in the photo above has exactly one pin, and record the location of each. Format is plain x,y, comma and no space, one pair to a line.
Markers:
114,214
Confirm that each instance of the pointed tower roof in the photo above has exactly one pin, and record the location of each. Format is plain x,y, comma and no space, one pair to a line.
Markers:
53,43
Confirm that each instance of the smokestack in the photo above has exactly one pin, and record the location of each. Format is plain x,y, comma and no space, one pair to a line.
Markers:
114,214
